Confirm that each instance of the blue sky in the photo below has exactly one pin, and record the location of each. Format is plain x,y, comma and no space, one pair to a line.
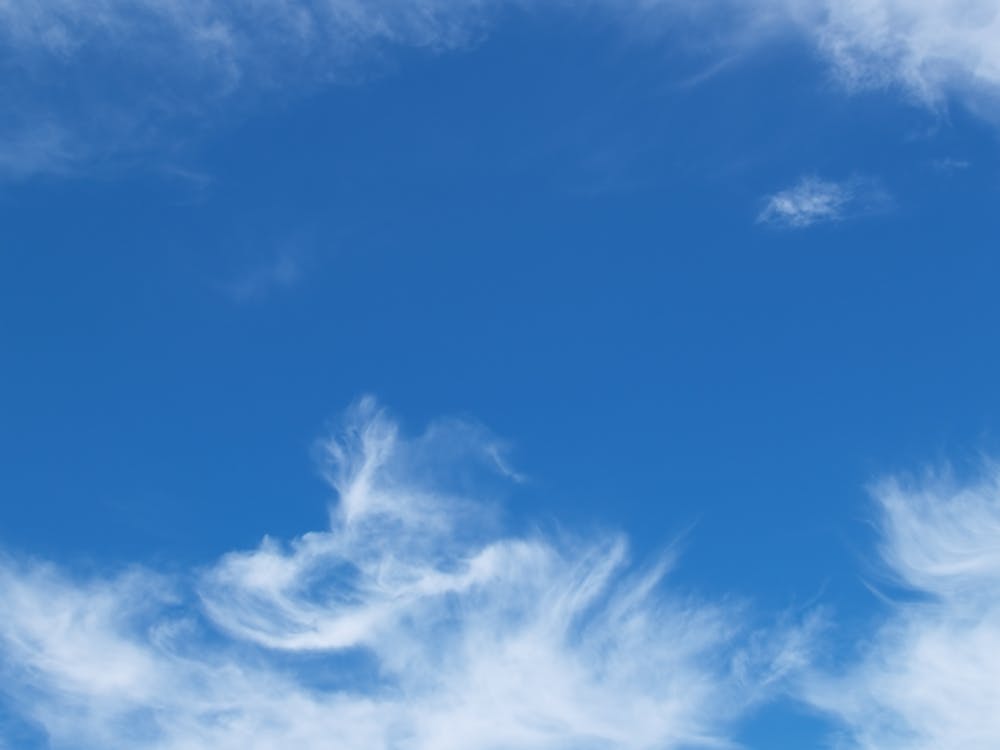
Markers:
493,375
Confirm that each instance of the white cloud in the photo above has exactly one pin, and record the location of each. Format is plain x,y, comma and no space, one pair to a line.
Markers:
930,677
808,202
113,77
225,36
410,623
85,69
933,48
815,201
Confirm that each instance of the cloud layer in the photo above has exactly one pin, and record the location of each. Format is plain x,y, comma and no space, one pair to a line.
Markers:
85,80
410,623
414,623
929,679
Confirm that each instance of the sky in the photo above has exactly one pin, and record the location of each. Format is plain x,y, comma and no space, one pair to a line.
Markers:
484,375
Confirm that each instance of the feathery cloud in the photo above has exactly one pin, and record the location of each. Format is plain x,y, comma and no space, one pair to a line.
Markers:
112,77
932,48
815,201
410,623
929,679
80,73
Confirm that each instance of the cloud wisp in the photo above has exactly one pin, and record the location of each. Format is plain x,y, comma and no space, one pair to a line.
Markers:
815,201
414,623
934,49
282,272
929,679
78,80
410,623
85,82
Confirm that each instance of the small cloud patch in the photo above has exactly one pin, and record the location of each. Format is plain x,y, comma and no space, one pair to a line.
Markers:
816,201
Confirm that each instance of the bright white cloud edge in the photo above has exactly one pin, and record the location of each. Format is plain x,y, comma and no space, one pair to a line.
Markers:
411,623
420,626
929,677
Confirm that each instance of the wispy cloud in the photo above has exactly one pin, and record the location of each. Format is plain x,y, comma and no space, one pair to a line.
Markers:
950,165
113,76
282,272
411,622
931,48
930,677
118,76
815,201
44,147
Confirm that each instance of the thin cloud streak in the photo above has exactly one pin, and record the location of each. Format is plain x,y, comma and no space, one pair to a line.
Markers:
413,623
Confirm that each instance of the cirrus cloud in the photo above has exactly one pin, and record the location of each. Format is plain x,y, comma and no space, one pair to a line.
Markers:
929,678
87,80
816,201
410,623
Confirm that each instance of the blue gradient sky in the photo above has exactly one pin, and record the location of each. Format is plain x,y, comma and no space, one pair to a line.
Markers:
561,228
